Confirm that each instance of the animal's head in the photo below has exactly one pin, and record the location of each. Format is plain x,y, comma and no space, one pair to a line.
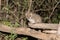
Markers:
28,14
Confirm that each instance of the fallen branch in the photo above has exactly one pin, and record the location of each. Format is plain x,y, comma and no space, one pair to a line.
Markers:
26,31
43,26
50,31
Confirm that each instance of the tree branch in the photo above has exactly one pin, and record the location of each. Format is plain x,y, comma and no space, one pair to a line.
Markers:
54,9
26,31
43,26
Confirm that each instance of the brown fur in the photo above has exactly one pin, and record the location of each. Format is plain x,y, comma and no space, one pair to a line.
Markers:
33,16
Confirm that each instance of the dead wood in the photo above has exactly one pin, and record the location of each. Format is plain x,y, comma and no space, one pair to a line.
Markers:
43,25
50,31
26,31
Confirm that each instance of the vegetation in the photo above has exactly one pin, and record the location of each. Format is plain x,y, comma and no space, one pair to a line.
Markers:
12,12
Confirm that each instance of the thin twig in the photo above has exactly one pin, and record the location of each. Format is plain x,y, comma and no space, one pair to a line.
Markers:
54,9
0,5
44,9
39,4
30,4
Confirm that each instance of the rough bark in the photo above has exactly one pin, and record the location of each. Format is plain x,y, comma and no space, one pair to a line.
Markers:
43,25
27,31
